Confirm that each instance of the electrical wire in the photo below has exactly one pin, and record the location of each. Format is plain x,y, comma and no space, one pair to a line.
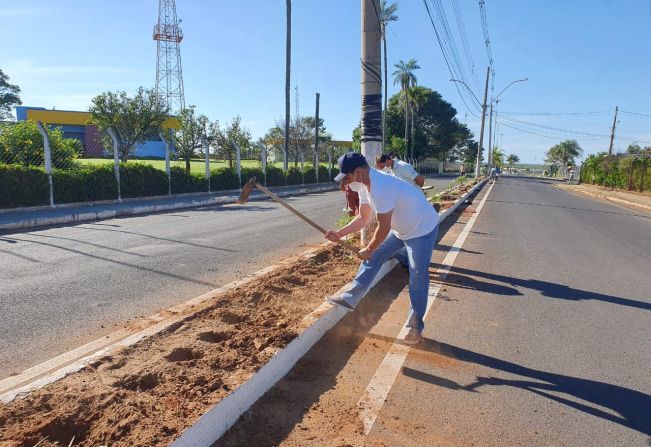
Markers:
596,112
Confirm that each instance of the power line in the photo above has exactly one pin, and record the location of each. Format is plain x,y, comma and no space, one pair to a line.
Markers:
596,112
636,114
464,37
487,40
539,134
447,61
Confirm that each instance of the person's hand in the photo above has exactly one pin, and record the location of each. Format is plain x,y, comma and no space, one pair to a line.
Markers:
332,235
364,254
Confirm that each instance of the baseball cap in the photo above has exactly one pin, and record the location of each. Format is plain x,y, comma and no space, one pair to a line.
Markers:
347,163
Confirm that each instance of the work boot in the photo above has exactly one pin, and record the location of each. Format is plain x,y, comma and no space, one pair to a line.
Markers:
339,301
413,337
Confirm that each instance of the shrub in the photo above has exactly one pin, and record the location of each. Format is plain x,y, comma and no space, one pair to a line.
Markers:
309,175
22,186
324,176
275,176
21,143
186,182
247,173
142,180
222,179
294,176
87,184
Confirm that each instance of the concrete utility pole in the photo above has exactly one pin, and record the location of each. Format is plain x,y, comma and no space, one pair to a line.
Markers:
490,137
316,139
371,85
371,81
288,59
612,132
483,119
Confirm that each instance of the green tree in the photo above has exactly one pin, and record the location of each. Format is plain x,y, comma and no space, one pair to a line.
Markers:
21,143
633,149
132,118
9,96
387,15
498,157
190,134
511,160
437,133
227,136
404,75
564,153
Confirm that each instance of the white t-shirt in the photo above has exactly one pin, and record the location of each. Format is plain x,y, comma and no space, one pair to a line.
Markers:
404,171
413,216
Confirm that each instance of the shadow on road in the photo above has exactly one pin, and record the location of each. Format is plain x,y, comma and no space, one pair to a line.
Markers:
463,278
632,407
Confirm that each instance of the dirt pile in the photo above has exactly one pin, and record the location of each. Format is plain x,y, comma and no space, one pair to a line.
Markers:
149,393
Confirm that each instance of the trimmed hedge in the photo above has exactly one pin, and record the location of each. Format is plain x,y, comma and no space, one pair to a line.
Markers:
22,186
28,185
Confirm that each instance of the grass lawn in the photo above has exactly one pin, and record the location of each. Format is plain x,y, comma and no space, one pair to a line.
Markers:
197,166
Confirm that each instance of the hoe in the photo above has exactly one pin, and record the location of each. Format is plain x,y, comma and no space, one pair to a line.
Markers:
253,183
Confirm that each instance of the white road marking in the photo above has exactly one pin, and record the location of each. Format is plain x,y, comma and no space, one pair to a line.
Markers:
378,388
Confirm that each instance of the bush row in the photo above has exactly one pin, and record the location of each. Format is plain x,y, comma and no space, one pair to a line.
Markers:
28,186
617,171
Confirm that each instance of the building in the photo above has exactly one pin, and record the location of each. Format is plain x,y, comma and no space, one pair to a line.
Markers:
74,124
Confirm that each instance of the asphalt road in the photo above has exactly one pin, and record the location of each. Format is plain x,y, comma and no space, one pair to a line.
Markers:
65,286
540,336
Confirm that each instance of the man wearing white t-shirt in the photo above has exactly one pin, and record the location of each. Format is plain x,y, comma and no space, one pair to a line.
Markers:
400,169
407,228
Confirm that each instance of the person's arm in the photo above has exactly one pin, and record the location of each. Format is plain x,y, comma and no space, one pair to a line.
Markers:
381,233
359,222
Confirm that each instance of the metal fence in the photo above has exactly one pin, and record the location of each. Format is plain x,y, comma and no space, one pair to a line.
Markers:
49,172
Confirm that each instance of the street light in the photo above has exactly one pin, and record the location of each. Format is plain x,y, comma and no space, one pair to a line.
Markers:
483,106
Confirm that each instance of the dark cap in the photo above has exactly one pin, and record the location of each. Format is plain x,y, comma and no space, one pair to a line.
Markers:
348,163
383,158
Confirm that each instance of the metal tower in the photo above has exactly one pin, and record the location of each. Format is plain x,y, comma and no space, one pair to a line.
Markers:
169,76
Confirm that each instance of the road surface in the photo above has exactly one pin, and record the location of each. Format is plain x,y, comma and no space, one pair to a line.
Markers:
540,336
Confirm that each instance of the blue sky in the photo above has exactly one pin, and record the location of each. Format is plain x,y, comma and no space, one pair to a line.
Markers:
579,56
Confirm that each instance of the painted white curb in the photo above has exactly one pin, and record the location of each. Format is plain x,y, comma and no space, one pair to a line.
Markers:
212,425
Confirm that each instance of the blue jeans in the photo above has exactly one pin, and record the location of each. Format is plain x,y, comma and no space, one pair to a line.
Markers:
417,252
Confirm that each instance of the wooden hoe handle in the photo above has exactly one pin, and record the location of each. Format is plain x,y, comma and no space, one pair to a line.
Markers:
302,216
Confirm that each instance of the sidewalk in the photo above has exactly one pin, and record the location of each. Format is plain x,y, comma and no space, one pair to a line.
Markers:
44,216
626,198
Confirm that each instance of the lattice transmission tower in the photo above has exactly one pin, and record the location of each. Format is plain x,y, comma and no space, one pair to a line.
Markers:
169,75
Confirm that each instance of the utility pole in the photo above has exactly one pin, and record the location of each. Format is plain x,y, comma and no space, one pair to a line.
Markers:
612,132
490,137
288,59
371,122
316,139
483,119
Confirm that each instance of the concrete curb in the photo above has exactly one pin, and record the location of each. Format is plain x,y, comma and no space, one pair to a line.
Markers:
212,425
146,209
616,200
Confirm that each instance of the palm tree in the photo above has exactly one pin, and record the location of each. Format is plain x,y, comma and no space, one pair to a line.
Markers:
387,15
511,160
417,98
498,157
404,75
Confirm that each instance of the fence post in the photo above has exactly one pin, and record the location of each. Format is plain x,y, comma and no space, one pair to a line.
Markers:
238,162
167,162
116,161
303,166
263,160
330,166
206,150
47,155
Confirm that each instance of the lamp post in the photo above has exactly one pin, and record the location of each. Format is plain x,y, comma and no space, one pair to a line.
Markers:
484,105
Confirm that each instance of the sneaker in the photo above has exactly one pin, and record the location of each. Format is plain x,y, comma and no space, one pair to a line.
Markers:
339,301
413,337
